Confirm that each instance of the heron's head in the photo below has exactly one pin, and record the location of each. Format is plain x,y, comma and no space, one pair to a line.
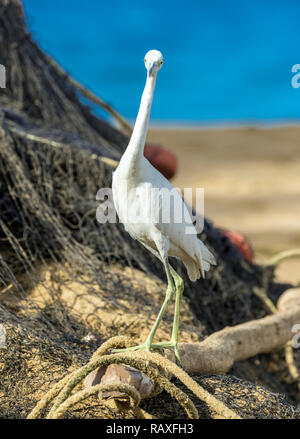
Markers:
153,61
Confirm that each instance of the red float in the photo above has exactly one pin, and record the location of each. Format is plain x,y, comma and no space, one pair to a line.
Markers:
163,160
241,243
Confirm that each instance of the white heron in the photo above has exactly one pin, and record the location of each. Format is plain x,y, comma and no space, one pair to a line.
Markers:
137,192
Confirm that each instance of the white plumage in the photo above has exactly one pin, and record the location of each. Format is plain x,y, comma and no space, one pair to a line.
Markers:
141,197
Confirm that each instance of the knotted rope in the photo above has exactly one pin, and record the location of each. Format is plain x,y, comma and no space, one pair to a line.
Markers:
148,363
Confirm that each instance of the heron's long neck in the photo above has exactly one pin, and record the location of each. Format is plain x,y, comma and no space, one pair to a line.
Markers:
135,149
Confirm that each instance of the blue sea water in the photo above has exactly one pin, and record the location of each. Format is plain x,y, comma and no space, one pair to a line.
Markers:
225,61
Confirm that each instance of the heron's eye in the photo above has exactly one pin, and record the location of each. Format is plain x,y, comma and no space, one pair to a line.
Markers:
145,60
160,63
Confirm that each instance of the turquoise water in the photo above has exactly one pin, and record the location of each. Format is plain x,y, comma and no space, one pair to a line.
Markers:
225,61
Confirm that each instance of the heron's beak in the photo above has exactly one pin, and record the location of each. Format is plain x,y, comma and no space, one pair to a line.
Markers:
152,68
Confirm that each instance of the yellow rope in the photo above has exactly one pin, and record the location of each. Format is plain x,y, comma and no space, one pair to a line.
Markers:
152,364
134,397
282,256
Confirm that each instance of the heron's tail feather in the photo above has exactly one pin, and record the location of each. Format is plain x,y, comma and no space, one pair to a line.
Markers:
192,269
204,257
206,254
201,261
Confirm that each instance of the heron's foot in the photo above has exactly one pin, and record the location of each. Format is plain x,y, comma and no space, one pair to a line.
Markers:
140,347
161,346
147,346
169,344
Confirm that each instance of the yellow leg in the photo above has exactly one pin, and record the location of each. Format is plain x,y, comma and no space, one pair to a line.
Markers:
169,295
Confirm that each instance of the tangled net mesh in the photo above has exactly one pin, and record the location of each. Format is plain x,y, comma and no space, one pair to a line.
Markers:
67,283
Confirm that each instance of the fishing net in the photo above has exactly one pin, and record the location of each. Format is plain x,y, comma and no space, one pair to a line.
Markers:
68,283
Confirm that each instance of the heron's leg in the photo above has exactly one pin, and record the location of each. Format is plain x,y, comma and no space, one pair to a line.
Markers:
169,295
179,285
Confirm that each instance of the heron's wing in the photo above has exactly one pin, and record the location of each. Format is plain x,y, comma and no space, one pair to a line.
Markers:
172,218
170,213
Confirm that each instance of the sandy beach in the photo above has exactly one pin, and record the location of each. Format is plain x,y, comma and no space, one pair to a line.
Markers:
251,180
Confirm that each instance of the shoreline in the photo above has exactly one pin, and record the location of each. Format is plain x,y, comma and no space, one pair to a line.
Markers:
215,126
